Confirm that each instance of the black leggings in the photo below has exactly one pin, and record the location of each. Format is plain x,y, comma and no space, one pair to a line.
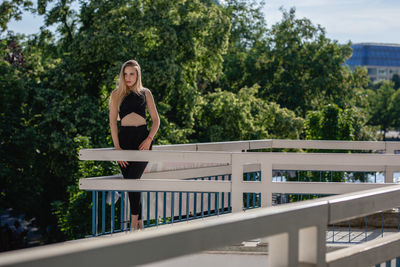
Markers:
130,137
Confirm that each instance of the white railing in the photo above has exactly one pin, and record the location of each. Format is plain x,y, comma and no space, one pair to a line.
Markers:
296,234
236,164
290,242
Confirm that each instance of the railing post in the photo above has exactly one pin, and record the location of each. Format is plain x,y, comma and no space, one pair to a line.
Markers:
266,184
312,247
237,182
283,249
391,147
389,171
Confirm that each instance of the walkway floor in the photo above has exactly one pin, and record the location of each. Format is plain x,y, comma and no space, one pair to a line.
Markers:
255,253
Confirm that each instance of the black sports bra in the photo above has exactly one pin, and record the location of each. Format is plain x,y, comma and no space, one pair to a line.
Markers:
133,103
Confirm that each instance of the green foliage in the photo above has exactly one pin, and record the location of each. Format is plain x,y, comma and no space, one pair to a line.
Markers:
74,215
394,109
243,116
12,9
294,63
382,107
216,71
396,80
334,123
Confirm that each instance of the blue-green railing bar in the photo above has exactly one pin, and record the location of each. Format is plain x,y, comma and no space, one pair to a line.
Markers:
195,205
229,195
223,195
148,209
209,200
112,210
156,209
187,206
172,206
94,217
253,176
165,208
180,206
252,200
103,212
122,210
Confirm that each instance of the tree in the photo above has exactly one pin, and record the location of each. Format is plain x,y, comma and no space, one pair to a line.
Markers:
12,9
334,123
394,109
243,116
381,107
396,80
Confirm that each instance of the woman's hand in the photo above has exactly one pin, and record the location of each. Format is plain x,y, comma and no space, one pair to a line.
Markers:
123,164
145,145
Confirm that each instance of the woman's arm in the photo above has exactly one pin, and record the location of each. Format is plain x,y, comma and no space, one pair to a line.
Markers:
113,115
114,129
151,107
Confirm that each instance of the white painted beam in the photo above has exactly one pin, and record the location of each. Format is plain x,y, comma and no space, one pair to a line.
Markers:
154,185
106,154
166,242
358,204
366,254
322,187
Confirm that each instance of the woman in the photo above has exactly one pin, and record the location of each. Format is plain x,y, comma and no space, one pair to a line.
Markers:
128,103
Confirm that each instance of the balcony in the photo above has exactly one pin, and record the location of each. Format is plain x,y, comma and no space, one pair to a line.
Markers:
199,197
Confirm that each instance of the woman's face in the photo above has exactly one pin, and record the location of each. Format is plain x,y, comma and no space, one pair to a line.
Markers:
130,76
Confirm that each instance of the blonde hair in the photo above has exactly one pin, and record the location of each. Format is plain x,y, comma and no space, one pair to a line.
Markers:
122,90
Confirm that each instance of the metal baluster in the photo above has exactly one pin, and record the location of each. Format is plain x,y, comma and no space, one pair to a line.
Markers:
187,206
165,208
247,194
103,212
216,211
180,206
94,217
195,205
156,210
253,176
222,196
122,211
202,201
148,209
112,211
229,195
172,206
216,204
209,200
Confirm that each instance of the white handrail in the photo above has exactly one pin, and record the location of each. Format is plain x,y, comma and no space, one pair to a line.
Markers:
155,245
386,146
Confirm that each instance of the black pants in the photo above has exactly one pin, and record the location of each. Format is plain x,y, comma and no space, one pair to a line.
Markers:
130,137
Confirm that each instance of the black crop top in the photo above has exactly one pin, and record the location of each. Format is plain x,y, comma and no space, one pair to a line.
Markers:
133,103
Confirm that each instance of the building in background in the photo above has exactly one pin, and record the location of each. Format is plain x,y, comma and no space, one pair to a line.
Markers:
381,60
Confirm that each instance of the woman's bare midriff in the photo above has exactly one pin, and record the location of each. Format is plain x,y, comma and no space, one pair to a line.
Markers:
133,119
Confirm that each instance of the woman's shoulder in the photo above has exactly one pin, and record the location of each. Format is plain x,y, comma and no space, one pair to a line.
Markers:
146,91
114,93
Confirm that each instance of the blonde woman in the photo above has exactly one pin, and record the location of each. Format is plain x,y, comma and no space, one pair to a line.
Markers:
128,103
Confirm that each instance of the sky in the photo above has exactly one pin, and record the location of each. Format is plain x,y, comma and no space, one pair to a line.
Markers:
344,20
357,21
